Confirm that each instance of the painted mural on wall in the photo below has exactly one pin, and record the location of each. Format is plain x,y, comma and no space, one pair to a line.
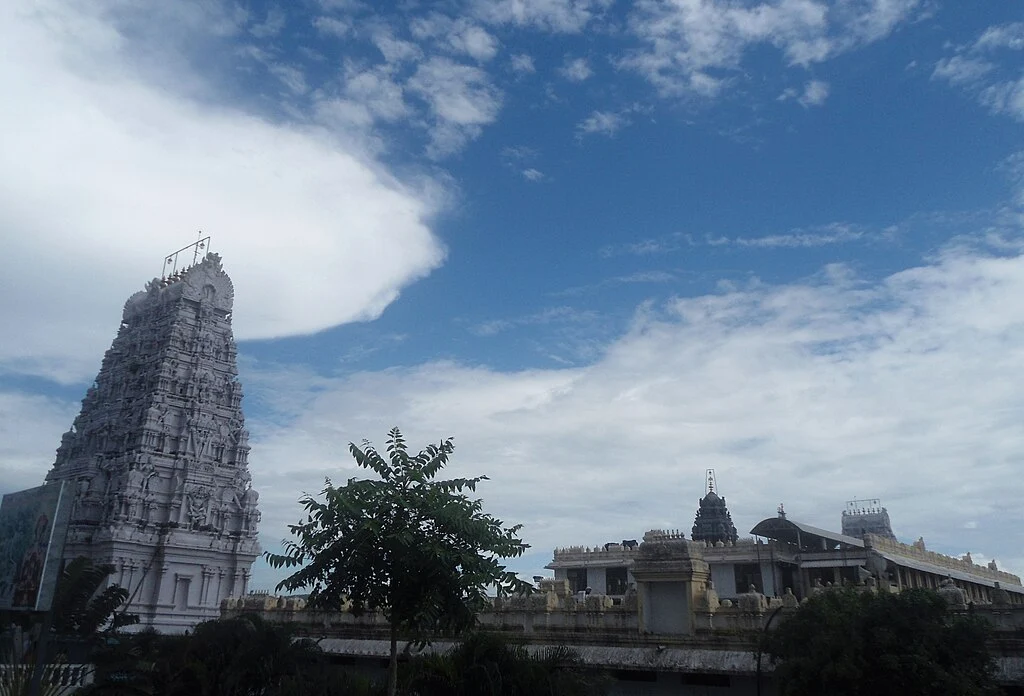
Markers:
33,524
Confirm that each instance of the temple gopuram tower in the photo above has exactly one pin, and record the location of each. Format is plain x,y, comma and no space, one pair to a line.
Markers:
157,457
713,522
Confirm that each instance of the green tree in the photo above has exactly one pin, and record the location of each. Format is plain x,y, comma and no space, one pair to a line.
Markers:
417,549
81,608
850,642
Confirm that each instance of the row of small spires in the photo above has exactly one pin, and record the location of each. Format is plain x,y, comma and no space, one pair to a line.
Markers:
174,277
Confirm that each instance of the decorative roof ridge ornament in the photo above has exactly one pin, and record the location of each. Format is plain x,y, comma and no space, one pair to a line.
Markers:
176,263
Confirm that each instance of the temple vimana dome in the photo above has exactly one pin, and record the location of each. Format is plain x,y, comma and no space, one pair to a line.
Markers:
157,459
713,523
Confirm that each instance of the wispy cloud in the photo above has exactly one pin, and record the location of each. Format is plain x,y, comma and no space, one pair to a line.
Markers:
462,99
458,36
559,16
271,26
602,123
835,233
332,26
552,315
522,64
576,70
523,159
650,246
814,93
693,48
639,277
984,70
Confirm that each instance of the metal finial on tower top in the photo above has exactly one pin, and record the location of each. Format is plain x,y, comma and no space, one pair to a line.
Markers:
711,481
171,260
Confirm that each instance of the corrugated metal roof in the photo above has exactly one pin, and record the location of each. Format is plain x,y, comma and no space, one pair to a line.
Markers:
785,529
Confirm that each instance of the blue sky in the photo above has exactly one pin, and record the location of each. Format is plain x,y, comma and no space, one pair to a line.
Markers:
604,244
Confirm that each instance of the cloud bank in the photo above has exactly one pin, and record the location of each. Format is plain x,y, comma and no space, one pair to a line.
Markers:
811,394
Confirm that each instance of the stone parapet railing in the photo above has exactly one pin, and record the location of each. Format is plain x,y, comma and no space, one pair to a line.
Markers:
614,552
937,559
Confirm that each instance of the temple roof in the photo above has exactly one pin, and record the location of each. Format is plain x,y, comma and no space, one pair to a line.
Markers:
713,522
802,535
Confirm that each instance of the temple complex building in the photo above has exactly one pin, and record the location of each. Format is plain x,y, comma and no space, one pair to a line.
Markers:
783,555
157,459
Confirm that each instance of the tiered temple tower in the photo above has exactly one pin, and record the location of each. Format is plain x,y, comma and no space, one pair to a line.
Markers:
862,517
158,455
713,522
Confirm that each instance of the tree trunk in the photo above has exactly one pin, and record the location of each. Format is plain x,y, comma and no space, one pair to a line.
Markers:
393,664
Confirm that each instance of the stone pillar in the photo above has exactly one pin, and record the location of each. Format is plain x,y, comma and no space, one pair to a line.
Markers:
671,578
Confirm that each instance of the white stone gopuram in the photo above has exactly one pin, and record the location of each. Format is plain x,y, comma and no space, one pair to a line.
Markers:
157,458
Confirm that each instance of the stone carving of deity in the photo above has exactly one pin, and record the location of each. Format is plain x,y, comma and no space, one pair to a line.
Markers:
197,506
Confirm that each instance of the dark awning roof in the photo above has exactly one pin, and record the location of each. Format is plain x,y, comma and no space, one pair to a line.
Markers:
803,535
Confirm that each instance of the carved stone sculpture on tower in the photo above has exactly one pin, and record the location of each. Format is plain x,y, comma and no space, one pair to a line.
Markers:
159,455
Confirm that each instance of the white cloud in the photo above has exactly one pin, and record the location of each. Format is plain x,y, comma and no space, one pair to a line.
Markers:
982,71
104,173
809,393
962,70
1005,97
815,93
332,26
690,46
552,315
522,64
834,233
292,78
393,49
639,277
30,432
1005,36
459,36
472,40
576,70
531,174
602,123
561,16
461,98
271,26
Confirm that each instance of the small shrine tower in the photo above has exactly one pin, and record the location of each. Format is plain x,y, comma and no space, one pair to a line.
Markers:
158,456
713,522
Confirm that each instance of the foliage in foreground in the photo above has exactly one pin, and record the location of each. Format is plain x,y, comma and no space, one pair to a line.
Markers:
488,665
417,549
846,642
80,609
246,656
243,656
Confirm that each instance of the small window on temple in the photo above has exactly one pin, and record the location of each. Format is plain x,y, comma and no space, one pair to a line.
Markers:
615,579
577,579
748,574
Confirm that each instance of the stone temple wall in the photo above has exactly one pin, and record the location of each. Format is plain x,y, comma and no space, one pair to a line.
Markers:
158,456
